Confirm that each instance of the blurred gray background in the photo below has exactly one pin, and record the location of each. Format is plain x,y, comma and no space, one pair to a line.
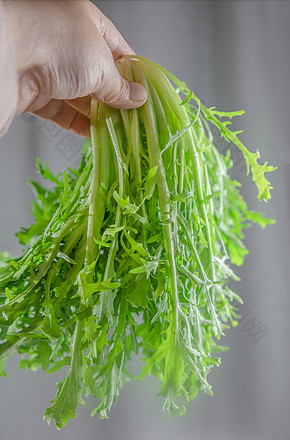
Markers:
234,55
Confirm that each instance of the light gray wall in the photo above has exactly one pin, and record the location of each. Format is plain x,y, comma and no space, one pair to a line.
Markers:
235,55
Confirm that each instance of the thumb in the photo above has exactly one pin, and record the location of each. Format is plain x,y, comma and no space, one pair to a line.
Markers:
116,92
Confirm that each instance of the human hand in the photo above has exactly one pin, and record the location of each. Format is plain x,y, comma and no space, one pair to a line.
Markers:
64,52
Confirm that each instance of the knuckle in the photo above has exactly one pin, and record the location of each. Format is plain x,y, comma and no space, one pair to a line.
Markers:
102,25
118,93
110,88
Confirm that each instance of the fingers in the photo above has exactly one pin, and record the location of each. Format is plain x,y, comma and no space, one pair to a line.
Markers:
120,93
65,116
111,89
114,39
83,105
114,90
64,96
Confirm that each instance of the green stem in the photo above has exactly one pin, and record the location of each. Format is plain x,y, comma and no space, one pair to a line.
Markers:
149,119
168,96
91,247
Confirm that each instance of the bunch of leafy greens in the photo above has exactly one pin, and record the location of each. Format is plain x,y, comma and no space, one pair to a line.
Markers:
131,252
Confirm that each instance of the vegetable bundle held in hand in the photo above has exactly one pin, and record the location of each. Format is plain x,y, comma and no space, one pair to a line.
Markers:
130,253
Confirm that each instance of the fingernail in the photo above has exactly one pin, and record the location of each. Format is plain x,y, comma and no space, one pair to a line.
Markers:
137,92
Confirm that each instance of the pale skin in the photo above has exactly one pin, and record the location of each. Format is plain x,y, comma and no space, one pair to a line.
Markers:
65,51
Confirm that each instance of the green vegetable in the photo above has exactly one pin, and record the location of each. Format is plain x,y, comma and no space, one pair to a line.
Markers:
130,254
